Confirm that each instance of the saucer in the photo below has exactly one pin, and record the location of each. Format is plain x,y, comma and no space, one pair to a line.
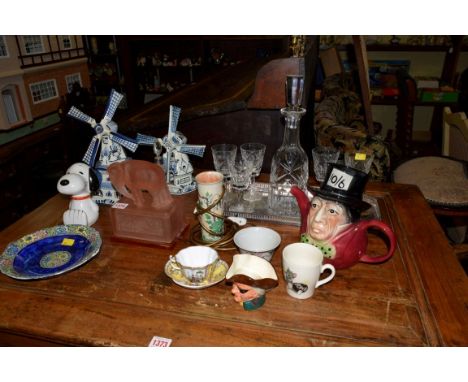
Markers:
219,274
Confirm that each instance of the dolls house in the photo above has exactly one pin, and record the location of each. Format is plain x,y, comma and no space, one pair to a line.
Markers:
36,74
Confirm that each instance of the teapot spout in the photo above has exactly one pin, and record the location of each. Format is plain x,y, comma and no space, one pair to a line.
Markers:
304,205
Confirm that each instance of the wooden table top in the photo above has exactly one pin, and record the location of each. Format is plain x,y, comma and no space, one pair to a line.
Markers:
123,297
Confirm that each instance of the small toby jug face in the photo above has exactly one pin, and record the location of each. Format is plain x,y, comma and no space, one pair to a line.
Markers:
251,277
330,221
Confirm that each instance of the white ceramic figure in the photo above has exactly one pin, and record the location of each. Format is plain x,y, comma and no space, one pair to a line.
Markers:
176,162
79,182
110,143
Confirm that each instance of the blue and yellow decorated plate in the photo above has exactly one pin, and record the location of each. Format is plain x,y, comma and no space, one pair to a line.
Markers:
50,252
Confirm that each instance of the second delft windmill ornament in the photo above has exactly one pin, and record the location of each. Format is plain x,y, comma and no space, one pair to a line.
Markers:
175,161
110,142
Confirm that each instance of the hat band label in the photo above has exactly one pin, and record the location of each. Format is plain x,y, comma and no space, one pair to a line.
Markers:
339,180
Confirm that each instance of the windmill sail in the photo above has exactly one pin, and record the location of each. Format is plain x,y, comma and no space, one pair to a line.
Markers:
112,104
90,155
174,113
124,141
197,150
143,139
106,127
80,116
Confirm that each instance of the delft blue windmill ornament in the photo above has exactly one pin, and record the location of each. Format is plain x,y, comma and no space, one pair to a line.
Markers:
110,142
175,161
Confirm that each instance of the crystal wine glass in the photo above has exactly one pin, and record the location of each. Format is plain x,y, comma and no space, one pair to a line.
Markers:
241,172
253,153
224,155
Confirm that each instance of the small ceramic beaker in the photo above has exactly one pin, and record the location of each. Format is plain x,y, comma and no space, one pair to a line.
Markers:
322,156
302,267
210,191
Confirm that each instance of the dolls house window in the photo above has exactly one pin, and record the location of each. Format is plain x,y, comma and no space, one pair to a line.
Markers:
71,79
66,42
3,47
10,104
43,91
33,44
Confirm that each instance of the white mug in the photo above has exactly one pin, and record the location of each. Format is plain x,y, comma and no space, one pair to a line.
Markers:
302,267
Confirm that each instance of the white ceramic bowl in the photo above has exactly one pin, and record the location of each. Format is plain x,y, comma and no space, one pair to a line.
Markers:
196,262
258,241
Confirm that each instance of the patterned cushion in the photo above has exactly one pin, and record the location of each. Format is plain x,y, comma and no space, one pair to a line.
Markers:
339,123
430,174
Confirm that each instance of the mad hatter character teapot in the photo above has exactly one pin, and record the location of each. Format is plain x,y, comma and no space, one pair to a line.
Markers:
330,221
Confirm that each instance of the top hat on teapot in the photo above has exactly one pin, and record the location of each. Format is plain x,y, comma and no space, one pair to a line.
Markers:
344,185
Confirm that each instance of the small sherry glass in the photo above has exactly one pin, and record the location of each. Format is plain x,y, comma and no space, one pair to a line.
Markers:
254,154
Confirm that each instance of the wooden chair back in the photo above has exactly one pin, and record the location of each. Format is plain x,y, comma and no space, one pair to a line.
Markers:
455,145
455,135
331,62
269,90
360,51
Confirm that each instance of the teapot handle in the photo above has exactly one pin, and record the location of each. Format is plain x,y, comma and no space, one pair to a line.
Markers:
390,235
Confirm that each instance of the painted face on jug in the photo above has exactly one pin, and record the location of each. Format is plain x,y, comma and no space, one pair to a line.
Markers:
243,292
325,218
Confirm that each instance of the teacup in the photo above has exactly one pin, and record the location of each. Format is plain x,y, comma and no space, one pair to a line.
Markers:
196,263
258,241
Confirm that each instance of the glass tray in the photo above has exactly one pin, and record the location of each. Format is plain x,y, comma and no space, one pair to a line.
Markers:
235,205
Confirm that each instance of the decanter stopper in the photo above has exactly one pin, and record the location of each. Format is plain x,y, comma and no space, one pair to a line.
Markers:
294,91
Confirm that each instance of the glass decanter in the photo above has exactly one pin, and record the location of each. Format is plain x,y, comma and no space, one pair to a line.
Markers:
290,165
